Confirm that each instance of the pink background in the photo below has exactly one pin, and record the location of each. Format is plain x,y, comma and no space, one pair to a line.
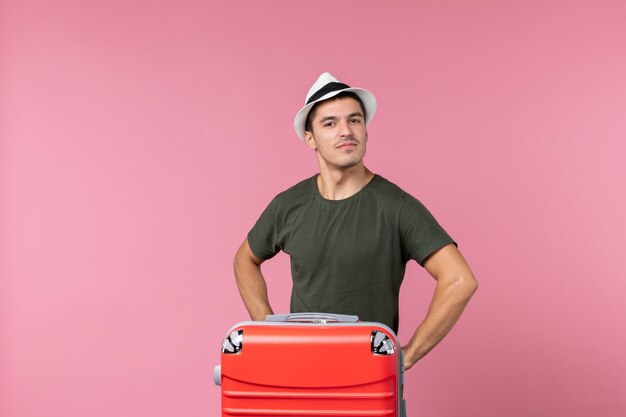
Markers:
140,140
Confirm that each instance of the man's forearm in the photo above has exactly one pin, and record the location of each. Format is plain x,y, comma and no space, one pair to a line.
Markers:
450,298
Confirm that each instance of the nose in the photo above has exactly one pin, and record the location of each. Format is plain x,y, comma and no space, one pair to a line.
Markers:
345,128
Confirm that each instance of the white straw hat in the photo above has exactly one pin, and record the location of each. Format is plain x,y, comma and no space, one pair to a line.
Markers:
324,88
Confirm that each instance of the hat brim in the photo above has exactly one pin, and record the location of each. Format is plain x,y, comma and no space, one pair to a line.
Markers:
368,99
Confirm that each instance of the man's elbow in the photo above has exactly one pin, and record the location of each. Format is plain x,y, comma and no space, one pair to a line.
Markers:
468,284
464,285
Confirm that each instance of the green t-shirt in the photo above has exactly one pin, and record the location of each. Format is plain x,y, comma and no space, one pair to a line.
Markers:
348,256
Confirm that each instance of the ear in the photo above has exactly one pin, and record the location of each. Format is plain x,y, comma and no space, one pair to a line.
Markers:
310,139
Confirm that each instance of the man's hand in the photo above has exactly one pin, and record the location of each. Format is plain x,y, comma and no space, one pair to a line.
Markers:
407,364
251,283
455,286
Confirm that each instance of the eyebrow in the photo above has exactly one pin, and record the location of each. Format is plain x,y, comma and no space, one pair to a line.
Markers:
324,119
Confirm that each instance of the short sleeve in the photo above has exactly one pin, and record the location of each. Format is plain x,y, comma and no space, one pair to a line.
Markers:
421,234
262,238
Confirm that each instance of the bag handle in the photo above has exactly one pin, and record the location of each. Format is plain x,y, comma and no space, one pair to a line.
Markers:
321,318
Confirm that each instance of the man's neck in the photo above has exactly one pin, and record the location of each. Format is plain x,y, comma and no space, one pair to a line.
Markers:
341,184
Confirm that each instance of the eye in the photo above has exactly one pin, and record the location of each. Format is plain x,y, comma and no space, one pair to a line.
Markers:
356,120
328,124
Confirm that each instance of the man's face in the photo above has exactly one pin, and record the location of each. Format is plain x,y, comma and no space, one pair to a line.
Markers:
339,134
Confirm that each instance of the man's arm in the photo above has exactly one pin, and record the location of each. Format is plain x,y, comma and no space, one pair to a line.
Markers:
455,286
251,283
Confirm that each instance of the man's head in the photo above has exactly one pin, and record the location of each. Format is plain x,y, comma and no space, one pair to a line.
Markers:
338,133
308,126
325,88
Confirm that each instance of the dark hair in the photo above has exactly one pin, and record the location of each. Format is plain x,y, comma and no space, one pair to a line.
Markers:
308,126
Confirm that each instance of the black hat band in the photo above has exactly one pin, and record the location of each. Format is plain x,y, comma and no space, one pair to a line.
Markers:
328,88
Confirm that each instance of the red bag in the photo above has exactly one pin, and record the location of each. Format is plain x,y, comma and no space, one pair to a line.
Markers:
311,364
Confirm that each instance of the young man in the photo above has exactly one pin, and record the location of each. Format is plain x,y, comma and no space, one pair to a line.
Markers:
350,232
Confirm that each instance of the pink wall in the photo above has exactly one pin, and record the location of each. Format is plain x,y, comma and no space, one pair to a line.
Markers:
140,140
